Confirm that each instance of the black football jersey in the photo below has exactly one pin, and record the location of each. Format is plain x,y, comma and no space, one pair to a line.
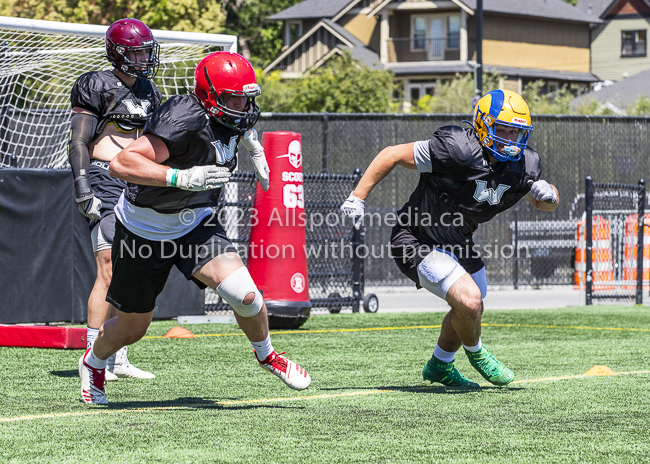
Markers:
111,100
463,188
193,138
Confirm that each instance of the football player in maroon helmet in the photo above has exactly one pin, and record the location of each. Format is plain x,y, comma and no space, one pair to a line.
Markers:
109,110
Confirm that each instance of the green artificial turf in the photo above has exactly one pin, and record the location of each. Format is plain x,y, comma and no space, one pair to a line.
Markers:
210,402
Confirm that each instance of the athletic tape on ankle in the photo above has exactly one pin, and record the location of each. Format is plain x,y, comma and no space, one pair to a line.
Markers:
234,289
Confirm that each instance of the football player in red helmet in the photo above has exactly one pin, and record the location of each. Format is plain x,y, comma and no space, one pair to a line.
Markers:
224,76
467,176
175,173
109,110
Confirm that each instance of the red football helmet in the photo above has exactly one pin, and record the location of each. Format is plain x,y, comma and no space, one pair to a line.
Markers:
221,75
131,48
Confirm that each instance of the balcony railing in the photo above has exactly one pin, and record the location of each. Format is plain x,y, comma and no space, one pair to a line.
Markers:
424,49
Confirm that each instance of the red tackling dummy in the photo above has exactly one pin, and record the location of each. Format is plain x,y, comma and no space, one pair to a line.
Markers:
39,336
277,258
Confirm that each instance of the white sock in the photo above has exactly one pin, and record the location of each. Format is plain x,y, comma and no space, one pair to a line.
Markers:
94,362
442,355
263,349
91,336
474,348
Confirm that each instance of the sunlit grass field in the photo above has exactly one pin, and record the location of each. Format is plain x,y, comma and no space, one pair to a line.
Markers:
210,402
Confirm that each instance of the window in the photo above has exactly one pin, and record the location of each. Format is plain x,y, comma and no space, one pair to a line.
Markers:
553,86
419,32
417,90
453,31
293,31
633,43
415,94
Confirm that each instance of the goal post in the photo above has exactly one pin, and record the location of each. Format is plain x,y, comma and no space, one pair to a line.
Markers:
40,62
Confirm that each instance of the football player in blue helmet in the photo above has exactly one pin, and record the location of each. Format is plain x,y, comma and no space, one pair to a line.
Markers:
468,175
503,125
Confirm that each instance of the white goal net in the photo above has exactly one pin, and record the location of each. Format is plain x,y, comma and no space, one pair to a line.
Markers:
40,62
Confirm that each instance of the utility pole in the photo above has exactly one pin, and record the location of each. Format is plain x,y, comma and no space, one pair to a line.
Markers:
479,48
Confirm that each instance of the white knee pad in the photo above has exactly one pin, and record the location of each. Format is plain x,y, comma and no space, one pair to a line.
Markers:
234,289
438,272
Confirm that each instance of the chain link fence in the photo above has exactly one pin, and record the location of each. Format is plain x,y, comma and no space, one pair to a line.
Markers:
330,245
610,149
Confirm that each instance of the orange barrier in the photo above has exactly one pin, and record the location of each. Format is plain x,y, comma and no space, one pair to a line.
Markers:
601,256
630,251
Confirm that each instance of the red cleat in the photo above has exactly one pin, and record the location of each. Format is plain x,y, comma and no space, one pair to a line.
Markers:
92,382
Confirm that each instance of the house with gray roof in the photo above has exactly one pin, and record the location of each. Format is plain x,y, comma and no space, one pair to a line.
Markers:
423,42
619,96
619,40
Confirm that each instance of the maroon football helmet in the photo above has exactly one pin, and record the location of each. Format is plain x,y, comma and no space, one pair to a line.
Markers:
131,48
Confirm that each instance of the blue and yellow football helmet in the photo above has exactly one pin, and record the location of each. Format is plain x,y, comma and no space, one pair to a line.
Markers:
505,108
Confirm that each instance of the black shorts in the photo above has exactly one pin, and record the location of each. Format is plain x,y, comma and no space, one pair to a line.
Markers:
141,267
408,252
108,189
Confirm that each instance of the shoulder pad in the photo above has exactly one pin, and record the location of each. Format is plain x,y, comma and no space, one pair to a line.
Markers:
86,92
179,117
455,145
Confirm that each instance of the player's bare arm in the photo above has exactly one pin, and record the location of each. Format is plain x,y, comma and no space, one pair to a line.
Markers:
382,165
110,142
139,162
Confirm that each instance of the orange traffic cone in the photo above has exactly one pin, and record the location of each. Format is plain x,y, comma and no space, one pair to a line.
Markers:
179,332
630,251
601,256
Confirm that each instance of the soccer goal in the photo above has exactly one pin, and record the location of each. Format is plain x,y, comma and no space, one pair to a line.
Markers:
40,62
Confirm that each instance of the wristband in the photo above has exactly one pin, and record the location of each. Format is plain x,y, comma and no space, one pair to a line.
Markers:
171,177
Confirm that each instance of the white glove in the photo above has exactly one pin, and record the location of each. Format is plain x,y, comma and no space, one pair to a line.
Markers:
354,207
542,191
90,208
198,177
257,155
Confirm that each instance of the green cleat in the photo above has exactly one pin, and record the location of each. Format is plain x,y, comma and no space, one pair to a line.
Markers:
490,367
446,374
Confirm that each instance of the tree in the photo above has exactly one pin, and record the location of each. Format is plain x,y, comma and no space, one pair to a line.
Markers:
343,85
552,103
641,107
179,15
260,40
455,95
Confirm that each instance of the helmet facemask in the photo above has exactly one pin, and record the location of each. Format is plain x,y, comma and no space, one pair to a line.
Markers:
129,59
237,120
512,149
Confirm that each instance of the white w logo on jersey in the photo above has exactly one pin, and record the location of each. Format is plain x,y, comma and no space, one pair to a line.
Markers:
225,153
492,196
134,108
